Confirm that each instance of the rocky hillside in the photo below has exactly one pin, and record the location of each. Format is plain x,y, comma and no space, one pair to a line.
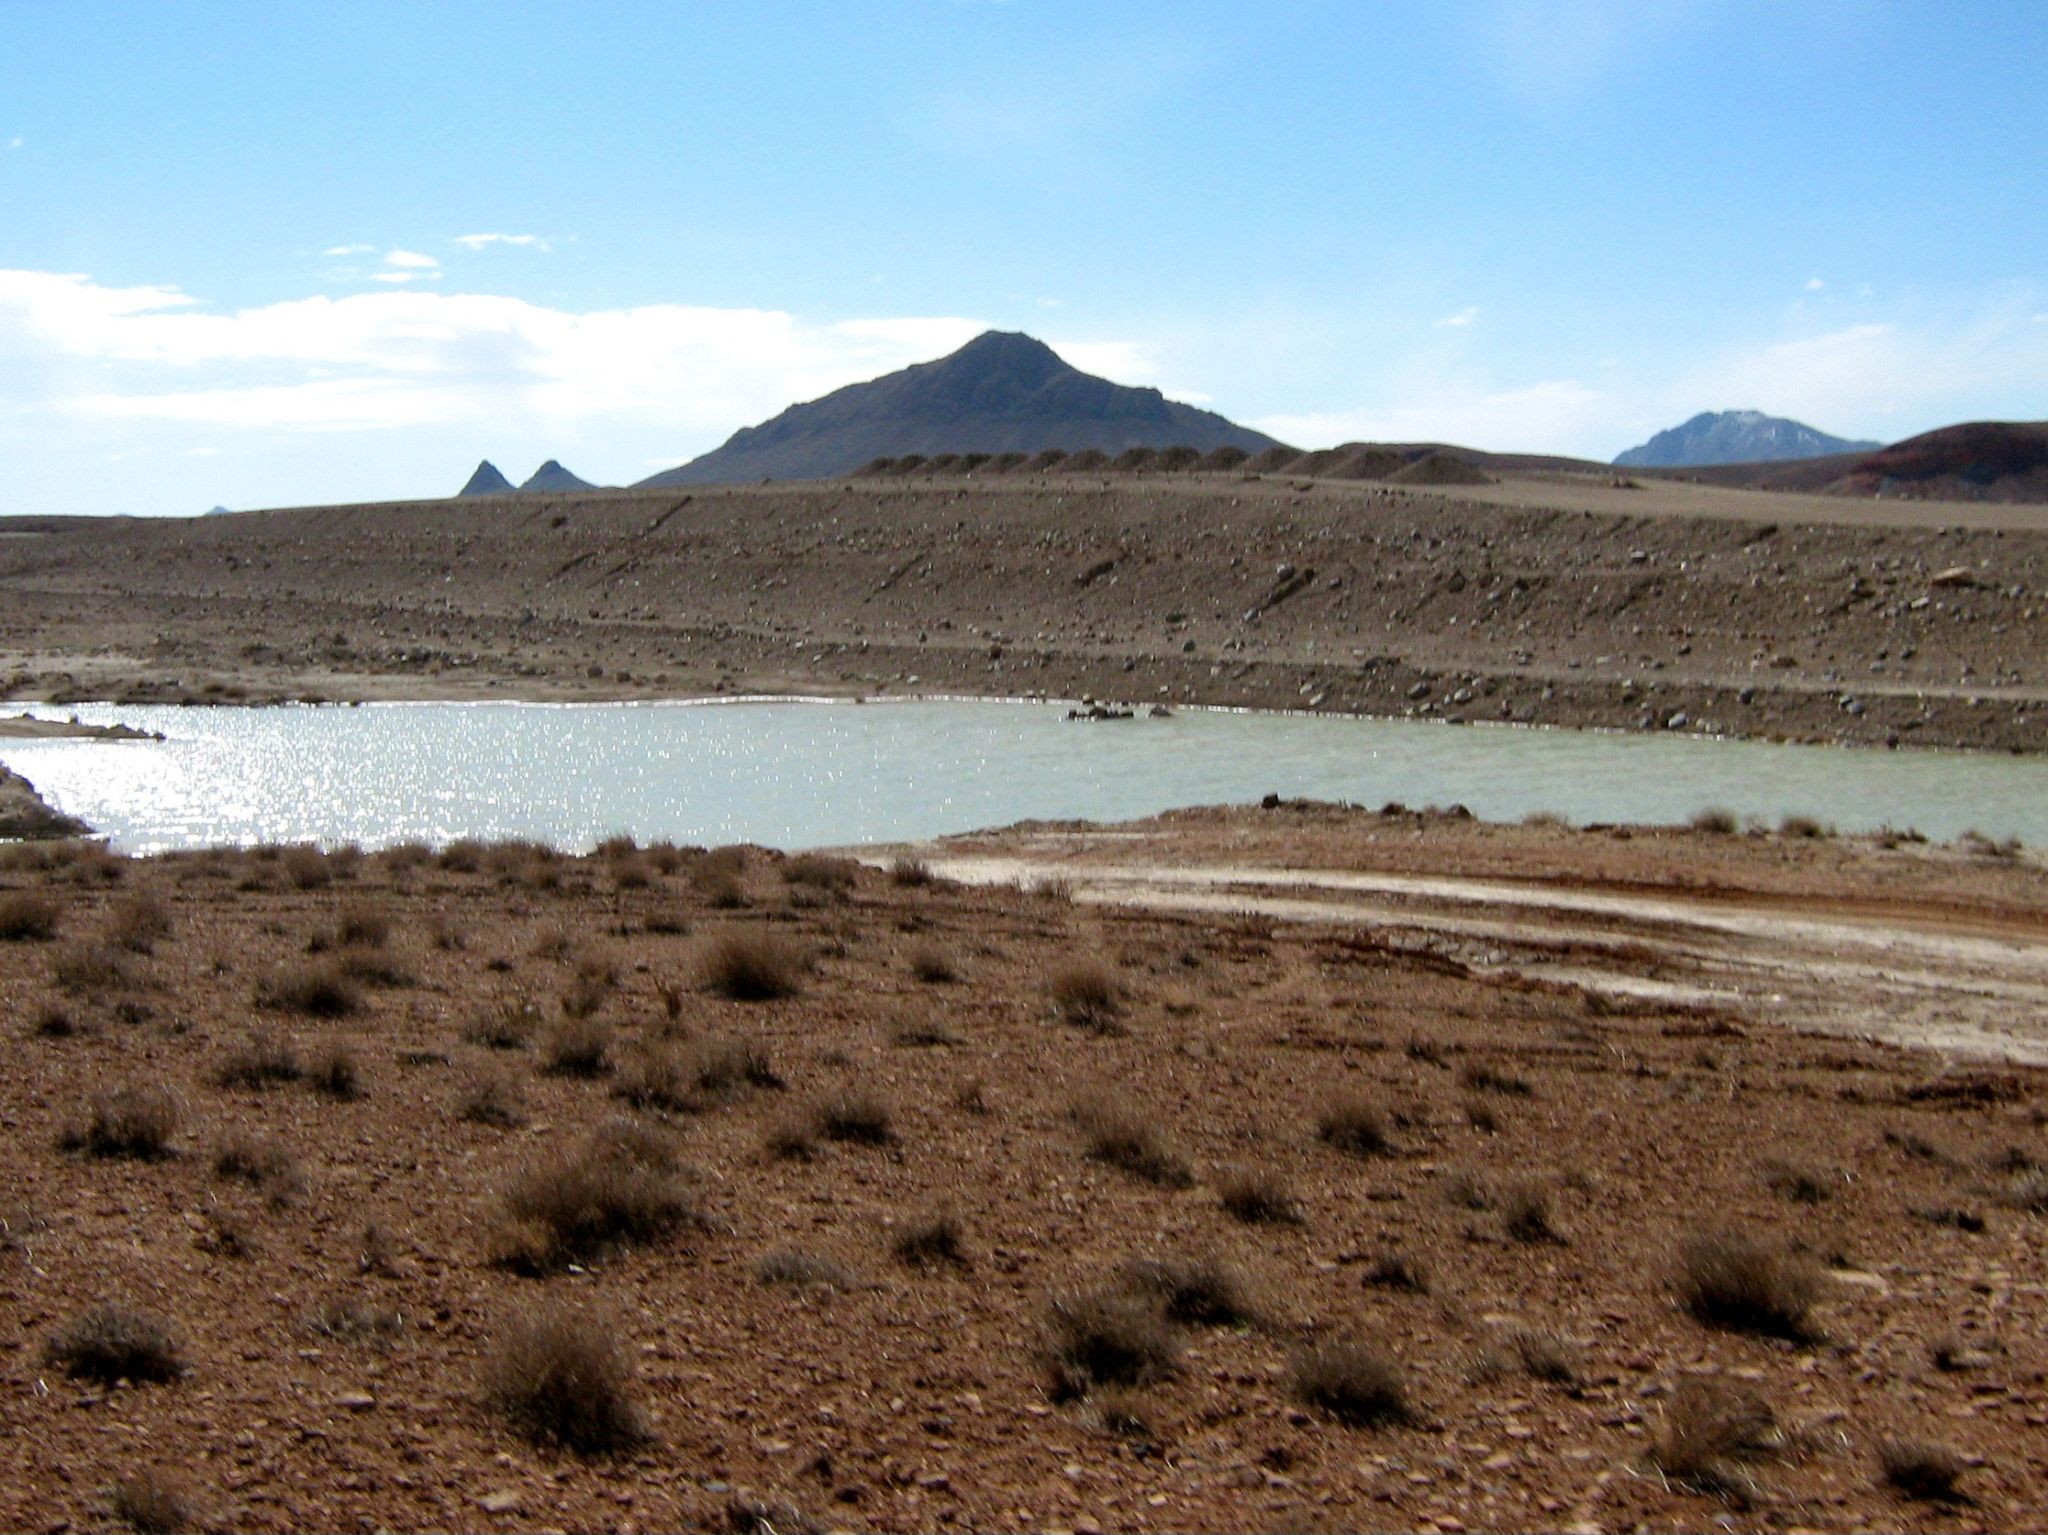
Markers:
1001,393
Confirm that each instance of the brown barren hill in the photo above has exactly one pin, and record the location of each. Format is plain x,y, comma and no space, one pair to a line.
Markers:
1543,598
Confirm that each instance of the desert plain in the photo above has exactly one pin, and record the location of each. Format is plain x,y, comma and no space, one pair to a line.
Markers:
1294,1166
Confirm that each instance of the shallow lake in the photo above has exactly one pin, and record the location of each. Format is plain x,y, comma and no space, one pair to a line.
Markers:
800,774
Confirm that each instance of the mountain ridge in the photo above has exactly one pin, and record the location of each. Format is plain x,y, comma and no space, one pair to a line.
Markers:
1736,437
1002,392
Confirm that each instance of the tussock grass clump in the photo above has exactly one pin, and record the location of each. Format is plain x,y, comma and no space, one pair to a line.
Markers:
853,1114
561,1378
750,966
1798,1182
1804,826
1354,1124
334,1072
1525,1212
1481,1078
719,1064
926,1241
1258,1197
911,873
933,963
1716,820
579,1047
106,1343
693,1078
822,871
318,989
262,1164
622,1185
1544,1355
1087,994
1730,1279
91,969
1710,1427
800,1269
1352,1382
507,1025
1920,1469
138,922
307,867
151,1503
135,1120
261,1060
28,916
1107,1338
1125,1138
362,924
493,1098
1395,1270
1202,1290
345,1320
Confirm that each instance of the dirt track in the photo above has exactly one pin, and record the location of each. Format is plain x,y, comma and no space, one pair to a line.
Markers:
1558,600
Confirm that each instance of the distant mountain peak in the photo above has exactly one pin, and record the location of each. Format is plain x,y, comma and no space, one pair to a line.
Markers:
1736,437
552,476
1002,392
485,482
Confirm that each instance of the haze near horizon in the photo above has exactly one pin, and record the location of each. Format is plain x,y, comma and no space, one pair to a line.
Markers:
261,257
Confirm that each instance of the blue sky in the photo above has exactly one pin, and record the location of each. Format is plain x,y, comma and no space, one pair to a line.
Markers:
261,254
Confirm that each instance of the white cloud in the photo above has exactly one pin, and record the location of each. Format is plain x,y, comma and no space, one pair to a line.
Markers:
389,360
1814,284
1557,416
15,143
348,250
479,241
411,261
1466,316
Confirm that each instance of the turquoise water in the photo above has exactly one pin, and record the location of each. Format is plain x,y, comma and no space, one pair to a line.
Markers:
799,774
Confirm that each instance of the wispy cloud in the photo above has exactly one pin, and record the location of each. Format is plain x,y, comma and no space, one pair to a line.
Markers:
410,259
16,142
478,242
1815,284
339,251
1466,316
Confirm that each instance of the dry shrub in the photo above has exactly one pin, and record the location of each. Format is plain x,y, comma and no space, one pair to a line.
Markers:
307,867
1395,1270
1087,994
750,966
444,934
579,1047
933,964
719,877
804,1270
362,924
136,1120
344,1320
909,872
630,874
137,923
334,1071
1481,1078
1128,1139
1467,1190
622,1185
1801,826
261,1060
1353,1124
719,1064
1352,1382
1921,1469
493,1098
1715,819
792,1138
261,1163
664,857
91,969
1799,1183
925,1241
822,871
506,1025
853,1114
1107,1338
560,1376
1202,1290
1258,1197
1544,1355
106,1343
1525,1212
583,996
1710,1425
1730,1279
151,1503
318,989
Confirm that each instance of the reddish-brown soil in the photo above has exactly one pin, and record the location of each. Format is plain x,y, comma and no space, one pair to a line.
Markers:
921,1398
1547,599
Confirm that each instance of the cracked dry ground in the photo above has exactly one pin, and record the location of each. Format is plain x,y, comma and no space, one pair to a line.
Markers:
346,1027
